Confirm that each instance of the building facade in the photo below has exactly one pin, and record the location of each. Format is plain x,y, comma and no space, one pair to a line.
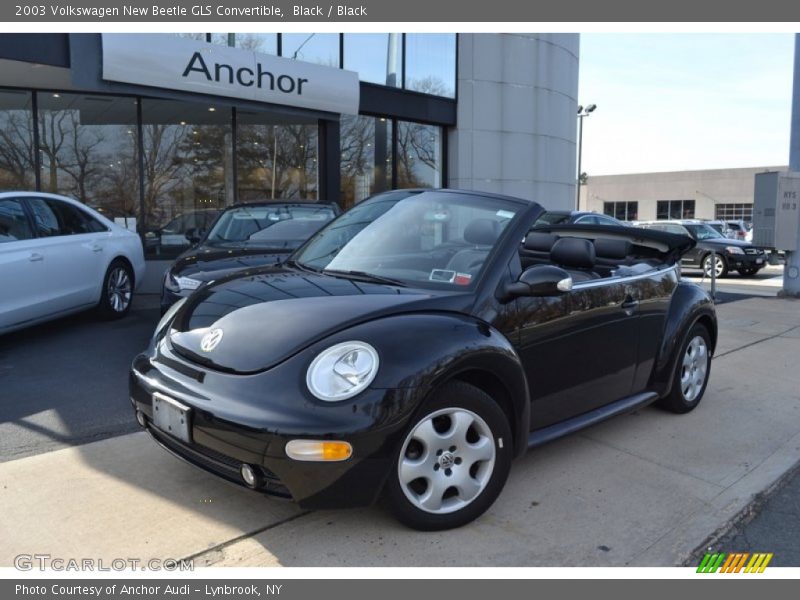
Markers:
165,130
709,194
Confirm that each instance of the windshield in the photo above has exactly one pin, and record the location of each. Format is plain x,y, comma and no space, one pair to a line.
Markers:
552,218
430,239
703,232
276,226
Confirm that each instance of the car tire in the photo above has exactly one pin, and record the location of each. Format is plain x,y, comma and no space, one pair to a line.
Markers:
117,293
461,446
748,271
721,265
692,371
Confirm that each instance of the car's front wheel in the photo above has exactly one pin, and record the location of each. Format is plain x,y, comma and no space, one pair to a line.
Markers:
691,372
115,300
453,462
715,263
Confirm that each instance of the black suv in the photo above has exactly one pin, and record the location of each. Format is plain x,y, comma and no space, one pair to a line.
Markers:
730,255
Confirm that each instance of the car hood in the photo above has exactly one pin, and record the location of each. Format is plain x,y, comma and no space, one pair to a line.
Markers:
207,262
270,314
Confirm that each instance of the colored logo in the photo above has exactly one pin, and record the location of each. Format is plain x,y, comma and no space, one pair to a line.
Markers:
737,562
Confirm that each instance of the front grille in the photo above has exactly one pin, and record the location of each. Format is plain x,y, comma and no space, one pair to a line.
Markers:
218,463
753,251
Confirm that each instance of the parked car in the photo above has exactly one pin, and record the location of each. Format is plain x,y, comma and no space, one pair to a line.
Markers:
244,236
720,227
58,256
177,234
563,217
739,230
414,346
712,248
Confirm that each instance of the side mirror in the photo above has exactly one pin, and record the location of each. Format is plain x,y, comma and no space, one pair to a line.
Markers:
540,280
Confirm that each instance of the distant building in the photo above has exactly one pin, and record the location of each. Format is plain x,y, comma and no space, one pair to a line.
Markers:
710,194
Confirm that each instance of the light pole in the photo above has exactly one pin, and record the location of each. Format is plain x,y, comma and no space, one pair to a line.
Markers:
582,112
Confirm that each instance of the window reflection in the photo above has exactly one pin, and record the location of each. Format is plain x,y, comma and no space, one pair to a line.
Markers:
431,63
276,159
87,146
188,174
366,157
376,57
419,155
320,48
266,43
16,141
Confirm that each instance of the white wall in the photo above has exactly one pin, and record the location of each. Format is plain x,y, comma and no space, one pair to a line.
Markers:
517,125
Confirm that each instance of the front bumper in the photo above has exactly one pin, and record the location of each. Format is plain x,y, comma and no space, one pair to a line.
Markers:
746,261
238,419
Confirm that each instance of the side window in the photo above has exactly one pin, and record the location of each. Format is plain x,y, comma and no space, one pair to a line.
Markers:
44,219
604,221
92,224
14,223
586,220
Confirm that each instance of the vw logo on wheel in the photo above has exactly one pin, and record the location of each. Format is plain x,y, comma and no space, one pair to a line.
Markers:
211,340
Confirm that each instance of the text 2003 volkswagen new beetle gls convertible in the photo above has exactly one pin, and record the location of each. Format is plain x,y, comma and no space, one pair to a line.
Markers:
415,345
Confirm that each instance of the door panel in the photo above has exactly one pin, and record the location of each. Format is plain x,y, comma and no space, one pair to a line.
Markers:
23,289
579,350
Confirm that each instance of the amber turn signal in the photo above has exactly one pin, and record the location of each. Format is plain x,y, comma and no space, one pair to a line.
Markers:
318,450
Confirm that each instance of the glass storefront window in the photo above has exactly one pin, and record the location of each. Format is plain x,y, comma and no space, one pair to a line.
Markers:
419,155
320,48
376,57
200,37
275,159
87,148
17,170
366,157
266,43
188,171
431,63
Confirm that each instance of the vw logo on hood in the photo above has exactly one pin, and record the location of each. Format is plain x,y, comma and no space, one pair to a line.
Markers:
211,340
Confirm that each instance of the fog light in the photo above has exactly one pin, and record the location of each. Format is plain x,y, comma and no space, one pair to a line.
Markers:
141,419
318,450
249,476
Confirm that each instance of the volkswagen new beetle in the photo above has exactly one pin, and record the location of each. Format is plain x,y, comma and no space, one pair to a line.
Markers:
418,343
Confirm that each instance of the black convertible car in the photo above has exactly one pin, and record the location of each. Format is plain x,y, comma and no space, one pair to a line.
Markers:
244,236
418,343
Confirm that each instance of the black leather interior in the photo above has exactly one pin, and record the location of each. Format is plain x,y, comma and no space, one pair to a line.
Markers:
482,232
576,256
614,249
539,242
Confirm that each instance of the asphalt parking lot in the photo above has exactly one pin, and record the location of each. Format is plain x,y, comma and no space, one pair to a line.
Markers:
644,489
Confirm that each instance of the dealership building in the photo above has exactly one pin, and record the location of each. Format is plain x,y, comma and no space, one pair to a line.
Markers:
164,130
709,194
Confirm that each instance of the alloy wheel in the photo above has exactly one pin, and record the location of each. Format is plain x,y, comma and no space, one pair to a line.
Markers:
119,289
719,265
446,460
694,368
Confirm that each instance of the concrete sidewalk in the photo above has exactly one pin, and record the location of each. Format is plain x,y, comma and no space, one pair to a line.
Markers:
643,490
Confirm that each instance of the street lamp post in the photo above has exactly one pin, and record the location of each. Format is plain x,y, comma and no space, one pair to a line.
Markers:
582,112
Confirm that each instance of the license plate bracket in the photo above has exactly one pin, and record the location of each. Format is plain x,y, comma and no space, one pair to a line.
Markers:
172,417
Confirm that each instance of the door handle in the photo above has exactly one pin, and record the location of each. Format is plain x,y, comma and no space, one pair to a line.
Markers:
96,248
35,257
629,304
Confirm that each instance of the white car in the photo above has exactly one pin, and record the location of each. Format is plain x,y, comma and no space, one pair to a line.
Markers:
58,256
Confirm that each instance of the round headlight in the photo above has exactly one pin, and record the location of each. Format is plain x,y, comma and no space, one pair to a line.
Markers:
342,371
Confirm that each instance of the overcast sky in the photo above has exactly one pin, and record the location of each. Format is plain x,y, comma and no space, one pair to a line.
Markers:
669,102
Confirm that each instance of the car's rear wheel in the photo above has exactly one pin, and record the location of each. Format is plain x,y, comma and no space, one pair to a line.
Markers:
716,263
115,300
691,372
453,461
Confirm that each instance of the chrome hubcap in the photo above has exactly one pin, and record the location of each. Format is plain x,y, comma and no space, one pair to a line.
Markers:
718,266
446,461
119,289
694,368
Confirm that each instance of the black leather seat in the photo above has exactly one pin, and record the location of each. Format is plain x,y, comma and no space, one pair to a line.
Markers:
481,234
536,248
576,256
611,254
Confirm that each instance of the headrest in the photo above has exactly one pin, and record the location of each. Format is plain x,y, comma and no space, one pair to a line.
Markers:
608,248
482,232
540,241
572,252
